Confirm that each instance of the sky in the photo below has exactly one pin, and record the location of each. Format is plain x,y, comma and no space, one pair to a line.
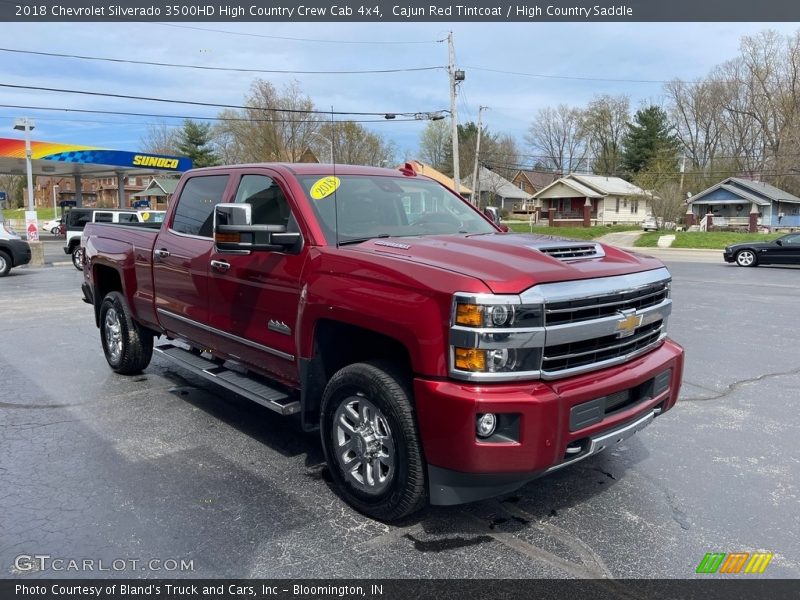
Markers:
584,51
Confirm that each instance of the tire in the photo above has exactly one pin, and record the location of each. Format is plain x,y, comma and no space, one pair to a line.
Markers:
128,347
746,258
5,264
54,231
370,438
77,257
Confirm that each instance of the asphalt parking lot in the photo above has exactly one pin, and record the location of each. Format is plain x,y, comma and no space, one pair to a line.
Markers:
161,466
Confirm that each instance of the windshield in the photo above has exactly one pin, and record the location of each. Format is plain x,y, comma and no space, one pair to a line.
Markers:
372,206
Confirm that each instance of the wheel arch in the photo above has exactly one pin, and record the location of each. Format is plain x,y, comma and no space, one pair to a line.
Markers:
329,356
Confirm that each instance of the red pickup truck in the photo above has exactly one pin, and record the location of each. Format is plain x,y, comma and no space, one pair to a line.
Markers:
442,359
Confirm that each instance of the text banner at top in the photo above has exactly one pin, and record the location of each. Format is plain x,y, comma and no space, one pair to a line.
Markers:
329,11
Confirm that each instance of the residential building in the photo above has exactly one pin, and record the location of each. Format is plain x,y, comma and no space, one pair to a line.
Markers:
494,190
612,200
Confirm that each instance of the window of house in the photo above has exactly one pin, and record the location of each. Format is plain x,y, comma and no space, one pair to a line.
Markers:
634,206
195,211
616,208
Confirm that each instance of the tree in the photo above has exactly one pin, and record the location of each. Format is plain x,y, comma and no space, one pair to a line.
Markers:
194,141
160,138
275,126
12,185
435,146
663,189
557,134
648,138
604,124
353,144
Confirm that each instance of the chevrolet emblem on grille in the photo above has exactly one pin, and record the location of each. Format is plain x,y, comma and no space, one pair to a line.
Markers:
627,325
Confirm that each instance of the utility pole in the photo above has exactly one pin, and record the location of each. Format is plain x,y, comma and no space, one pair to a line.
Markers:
683,168
476,194
455,78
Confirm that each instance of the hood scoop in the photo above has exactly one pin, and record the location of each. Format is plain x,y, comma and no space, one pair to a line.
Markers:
572,250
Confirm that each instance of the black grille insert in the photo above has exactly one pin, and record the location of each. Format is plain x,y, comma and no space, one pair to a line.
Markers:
586,352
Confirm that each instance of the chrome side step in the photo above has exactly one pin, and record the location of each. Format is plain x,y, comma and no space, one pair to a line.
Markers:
236,382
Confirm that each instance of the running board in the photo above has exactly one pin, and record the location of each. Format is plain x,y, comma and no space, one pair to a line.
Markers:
236,382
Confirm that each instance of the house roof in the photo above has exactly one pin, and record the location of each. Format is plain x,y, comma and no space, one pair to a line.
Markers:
596,186
158,187
491,181
609,186
538,179
576,186
429,171
762,194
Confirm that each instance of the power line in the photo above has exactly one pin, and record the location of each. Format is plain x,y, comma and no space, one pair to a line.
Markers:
195,117
211,104
210,68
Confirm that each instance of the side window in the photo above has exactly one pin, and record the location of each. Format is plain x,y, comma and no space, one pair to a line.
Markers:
103,217
195,210
270,206
128,218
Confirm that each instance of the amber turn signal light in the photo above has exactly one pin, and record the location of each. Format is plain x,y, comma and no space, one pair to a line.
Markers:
470,359
470,315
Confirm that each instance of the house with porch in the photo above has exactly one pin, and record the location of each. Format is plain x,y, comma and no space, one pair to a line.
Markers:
611,201
730,203
158,193
531,181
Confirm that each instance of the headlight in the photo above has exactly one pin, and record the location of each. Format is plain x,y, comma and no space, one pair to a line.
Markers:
495,337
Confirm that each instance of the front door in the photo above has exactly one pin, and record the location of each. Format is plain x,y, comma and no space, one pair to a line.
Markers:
254,298
180,260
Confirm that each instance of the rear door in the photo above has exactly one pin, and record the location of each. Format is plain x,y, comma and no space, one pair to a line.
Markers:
180,260
254,298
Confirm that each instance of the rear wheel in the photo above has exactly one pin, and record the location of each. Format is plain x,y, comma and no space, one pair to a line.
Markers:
371,443
77,257
746,258
5,264
127,345
54,231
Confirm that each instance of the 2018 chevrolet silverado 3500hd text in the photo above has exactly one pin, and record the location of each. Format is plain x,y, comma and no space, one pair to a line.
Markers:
442,360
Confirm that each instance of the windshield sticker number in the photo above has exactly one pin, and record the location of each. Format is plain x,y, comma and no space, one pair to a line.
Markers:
325,187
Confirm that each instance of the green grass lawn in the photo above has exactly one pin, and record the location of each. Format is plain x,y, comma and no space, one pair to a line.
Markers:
713,240
580,233
43,214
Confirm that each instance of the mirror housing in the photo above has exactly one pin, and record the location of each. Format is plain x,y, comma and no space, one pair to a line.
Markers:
779,242
234,231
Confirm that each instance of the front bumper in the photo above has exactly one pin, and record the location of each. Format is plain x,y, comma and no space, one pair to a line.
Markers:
728,256
545,433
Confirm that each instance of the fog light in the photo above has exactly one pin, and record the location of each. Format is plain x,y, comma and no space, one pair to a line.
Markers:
486,425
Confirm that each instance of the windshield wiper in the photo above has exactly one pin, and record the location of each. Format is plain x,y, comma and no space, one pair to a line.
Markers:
364,239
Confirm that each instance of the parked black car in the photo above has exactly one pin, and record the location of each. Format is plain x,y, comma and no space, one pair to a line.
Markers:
783,251
14,251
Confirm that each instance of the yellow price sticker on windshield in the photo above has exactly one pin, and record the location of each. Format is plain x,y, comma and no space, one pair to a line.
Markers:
325,187
145,216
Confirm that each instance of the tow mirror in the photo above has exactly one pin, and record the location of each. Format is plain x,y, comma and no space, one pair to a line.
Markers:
234,231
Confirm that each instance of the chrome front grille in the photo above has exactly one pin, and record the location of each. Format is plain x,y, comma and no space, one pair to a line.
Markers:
596,323
585,309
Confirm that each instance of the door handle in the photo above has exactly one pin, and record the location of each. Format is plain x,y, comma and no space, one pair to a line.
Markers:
220,265
161,253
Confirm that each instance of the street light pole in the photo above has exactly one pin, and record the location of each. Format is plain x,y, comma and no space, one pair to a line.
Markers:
26,125
55,197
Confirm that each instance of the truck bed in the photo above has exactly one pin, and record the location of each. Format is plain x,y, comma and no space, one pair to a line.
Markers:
127,249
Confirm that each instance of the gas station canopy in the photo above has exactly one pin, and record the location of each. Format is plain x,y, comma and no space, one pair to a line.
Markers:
64,160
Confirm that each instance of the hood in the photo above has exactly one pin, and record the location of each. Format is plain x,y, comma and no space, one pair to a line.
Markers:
751,245
511,263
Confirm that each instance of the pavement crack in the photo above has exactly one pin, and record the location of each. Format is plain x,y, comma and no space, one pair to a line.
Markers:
732,387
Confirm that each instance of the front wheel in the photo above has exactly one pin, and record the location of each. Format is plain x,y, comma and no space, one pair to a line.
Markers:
77,258
128,346
371,443
746,258
5,264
